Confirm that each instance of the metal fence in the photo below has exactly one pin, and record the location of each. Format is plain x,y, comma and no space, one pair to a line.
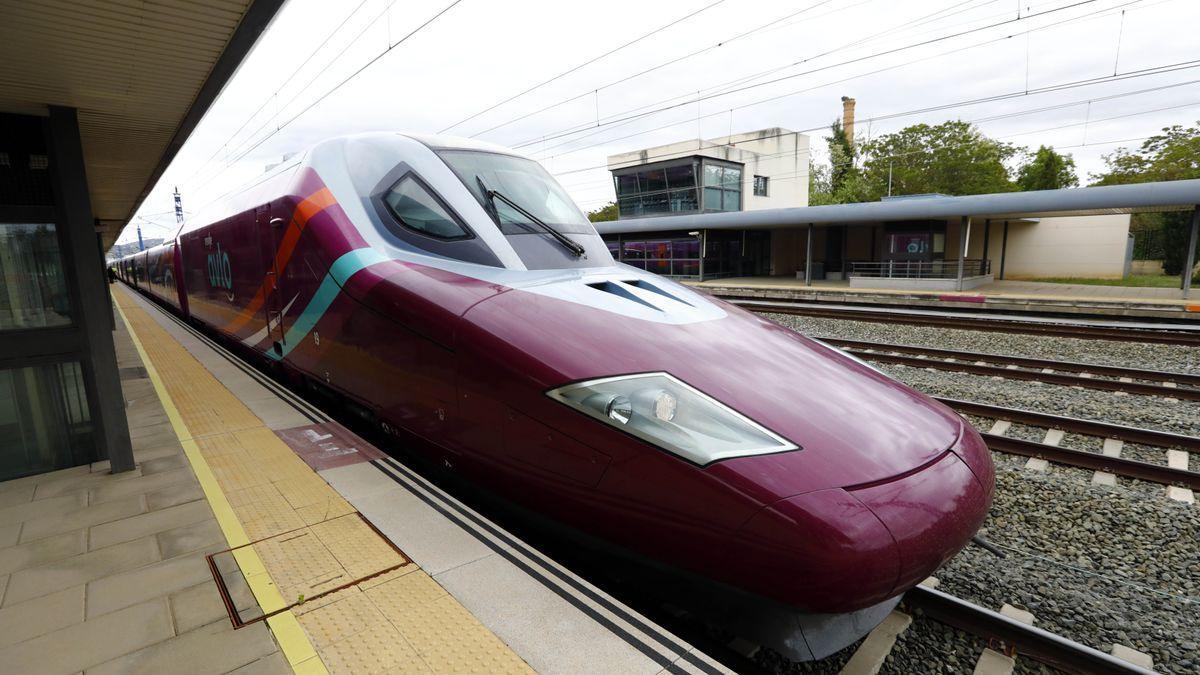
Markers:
916,269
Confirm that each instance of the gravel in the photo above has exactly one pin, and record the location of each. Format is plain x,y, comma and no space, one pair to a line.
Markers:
1176,358
931,647
1150,412
1097,564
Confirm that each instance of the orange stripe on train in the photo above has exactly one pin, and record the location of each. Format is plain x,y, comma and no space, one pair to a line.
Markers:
306,209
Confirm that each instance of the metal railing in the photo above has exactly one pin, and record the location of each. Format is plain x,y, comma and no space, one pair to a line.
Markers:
920,269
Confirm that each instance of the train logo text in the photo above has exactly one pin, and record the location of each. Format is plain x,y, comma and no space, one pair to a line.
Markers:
220,272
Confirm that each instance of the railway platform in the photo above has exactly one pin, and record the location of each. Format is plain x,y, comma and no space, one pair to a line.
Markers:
258,535
998,296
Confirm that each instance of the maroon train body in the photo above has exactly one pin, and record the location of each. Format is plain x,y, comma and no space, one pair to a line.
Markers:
386,269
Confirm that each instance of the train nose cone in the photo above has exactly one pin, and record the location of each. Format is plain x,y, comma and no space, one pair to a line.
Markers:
840,550
931,514
822,551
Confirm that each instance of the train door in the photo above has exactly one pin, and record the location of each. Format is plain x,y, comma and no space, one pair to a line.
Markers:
269,224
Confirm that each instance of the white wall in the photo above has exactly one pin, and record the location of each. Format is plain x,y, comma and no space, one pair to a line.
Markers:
1071,246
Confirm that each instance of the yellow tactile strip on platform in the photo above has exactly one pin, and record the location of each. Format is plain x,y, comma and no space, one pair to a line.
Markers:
293,536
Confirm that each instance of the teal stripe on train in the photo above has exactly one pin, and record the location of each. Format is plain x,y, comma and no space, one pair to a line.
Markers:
339,273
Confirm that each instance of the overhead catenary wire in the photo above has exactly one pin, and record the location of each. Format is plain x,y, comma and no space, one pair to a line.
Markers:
1090,16
997,117
302,89
617,117
645,71
345,80
278,89
689,99
589,62
1156,70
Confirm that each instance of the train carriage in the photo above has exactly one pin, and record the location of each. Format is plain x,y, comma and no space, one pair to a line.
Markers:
453,293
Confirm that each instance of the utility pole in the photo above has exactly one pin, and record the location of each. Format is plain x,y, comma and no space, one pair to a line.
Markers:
178,210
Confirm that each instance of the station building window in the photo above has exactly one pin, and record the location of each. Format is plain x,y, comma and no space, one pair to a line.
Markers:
672,257
760,186
722,187
685,185
45,422
725,253
33,288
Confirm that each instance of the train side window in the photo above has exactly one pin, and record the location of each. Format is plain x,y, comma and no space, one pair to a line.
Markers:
415,208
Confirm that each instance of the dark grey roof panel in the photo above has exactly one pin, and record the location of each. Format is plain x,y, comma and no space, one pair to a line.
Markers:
1102,200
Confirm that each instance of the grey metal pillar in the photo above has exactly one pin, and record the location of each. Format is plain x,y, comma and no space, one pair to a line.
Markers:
74,209
964,234
987,239
808,258
1190,259
1003,250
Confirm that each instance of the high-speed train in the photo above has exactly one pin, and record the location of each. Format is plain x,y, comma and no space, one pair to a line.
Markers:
454,294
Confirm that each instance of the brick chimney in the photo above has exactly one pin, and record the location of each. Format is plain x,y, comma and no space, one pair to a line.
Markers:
848,118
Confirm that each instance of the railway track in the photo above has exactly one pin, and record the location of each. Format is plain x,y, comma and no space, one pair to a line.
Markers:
1172,333
1014,637
1184,386
1082,459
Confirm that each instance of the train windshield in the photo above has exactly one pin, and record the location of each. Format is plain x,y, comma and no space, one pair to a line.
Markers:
526,183
521,188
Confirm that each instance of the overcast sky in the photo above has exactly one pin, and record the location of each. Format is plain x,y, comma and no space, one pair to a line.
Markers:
752,63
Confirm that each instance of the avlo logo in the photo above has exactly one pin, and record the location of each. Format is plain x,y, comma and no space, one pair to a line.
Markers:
220,273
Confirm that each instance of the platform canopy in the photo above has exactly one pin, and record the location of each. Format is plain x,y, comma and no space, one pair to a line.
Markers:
1102,200
140,74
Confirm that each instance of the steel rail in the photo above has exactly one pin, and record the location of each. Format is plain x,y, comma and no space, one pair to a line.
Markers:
1121,466
1145,388
1019,638
1075,424
995,324
1185,379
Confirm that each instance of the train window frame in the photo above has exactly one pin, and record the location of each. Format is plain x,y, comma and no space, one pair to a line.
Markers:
416,180
469,248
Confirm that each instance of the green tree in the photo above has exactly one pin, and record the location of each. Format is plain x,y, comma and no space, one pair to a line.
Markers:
819,192
952,158
1172,155
606,212
842,169
1047,170
840,181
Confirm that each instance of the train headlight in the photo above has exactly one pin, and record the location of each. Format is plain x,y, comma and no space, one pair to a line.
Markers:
672,415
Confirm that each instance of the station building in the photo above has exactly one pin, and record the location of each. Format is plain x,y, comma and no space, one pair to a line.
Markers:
94,103
745,172
900,242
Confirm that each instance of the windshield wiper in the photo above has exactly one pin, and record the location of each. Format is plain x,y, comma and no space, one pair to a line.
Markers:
567,243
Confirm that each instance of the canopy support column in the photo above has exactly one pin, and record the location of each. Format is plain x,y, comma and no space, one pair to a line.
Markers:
808,258
964,231
987,239
1190,258
1003,249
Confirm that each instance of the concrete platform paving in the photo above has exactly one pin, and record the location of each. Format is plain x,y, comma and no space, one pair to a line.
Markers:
108,573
